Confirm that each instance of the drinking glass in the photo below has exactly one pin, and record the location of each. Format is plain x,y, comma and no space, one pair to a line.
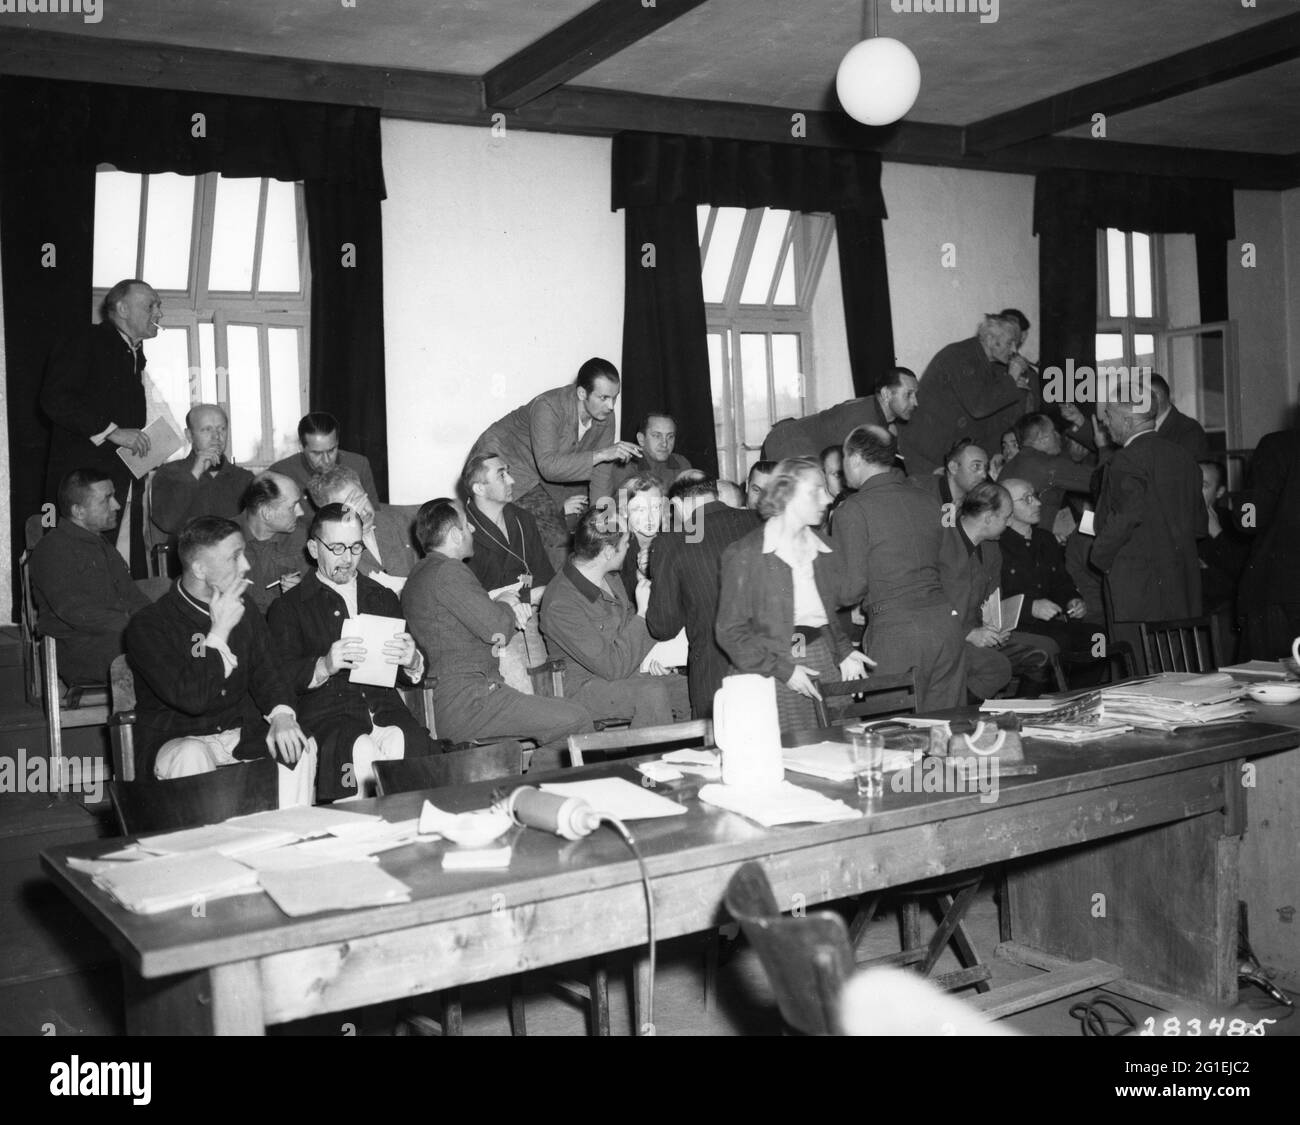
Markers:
867,753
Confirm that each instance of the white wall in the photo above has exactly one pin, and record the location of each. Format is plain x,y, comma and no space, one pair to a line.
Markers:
503,272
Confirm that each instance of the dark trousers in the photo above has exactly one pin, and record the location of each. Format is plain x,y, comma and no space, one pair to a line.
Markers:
472,708
643,700
926,638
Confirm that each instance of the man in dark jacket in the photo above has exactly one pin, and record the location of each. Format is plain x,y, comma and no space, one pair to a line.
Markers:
1269,601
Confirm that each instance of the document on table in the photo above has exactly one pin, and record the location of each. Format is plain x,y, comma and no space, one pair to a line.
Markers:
832,761
671,653
306,821
375,632
617,798
224,839
149,886
336,886
778,804
163,442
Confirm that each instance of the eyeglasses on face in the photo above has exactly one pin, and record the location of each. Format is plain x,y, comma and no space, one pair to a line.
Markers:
353,549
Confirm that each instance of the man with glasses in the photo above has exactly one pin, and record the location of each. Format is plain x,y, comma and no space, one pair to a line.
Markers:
355,724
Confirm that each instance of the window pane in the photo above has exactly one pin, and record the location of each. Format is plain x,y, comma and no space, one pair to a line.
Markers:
1110,347
1143,294
167,387
717,375
234,229
279,273
722,252
1144,350
286,399
169,224
763,261
753,372
785,287
208,389
1116,254
787,378
244,363
702,219
117,227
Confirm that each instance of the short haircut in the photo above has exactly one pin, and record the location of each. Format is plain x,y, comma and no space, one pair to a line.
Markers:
119,292
193,410
331,513
263,490
828,451
1017,317
473,474
785,478
595,368
633,485
1220,472
645,419
1030,426
765,468
894,378
433,521
596,530
688,488
327,482
317,422
987,496
202,532
75,488
875,445
1159,381
958,447
994,325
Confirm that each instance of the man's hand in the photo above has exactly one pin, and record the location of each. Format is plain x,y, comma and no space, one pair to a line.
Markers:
657,669
855,665
996,464
289,580
1072,414
400,650
137,441
1018,366
345,653
1045,609
1076,608
987,637
1215,524
621,451
205,462
575,505
804,681
227,609
285,740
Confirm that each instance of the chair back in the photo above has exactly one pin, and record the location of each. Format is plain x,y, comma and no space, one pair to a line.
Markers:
33,529
1179,646
806,959
669,736
187,802
869,697
456,767
548,678
121,719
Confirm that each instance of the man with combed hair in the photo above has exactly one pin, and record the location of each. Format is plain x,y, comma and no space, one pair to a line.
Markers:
355,724
561,450
890,533
1149,516
84,594
892,403
94,396
274,537
657,438
965,466
387,531
1042,461
209,687
588,619
461,630
318,435
975,388
685,568
760,472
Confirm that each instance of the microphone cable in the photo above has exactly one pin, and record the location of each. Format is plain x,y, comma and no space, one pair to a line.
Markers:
648,1027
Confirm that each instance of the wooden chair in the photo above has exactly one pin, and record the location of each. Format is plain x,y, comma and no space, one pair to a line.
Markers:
1179,646
121,723
419,701
806,959
670,736
548,678
185,802
1118,661
869,697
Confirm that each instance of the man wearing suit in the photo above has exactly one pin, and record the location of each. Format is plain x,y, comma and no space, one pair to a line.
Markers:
1149,516
685,566
355,724
1269,601
1173,425
318,433
387,533
94,396
893,403
974,388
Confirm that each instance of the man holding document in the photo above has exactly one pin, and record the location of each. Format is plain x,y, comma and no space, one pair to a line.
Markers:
342,640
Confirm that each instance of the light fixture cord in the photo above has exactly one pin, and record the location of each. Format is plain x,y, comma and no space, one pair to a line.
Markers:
870,19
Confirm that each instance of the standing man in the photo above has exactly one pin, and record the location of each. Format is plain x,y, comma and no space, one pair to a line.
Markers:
83,592
889,533
1173,425
1269,598
561,450
202,484
94,396
685,569
657,437
974,388
1149,517
274,539
1042,461
318,434
355,724
387,531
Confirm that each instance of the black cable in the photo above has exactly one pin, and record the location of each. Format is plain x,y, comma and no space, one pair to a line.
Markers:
622,830
1093,1021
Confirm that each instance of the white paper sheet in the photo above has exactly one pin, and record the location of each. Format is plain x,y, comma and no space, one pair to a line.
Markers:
375,632
224,839
338,886
163,442
778,804
618,798
307,821
149,886
672,653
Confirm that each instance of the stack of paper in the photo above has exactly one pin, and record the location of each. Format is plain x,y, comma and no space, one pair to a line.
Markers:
1257,670
618,798
338,886
778,804
1048,708
149,886
1175,699
833,761
224,839
1085,730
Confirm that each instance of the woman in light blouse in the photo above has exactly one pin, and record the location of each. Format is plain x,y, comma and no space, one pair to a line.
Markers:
776,614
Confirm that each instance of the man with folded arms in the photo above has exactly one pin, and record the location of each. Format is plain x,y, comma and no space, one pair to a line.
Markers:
355,724
386,530
209,689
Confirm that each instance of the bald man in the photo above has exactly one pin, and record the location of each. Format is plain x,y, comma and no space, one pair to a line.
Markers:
275,539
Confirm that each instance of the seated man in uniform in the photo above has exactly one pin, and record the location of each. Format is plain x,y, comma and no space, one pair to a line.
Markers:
274,538
209,689
355,724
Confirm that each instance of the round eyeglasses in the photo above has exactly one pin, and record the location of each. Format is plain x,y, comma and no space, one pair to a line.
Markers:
353,549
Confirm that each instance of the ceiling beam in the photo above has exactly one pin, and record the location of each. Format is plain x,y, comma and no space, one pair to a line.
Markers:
1262,46
604,29
457,99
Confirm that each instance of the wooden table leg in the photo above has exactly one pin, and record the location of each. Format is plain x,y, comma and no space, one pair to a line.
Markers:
225,1000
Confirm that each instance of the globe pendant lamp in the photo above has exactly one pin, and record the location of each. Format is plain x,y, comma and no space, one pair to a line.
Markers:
878,80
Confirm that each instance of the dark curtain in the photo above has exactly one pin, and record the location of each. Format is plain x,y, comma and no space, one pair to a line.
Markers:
52,136
1071,206
660,180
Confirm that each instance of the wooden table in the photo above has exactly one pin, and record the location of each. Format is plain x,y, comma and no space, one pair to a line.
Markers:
1149,823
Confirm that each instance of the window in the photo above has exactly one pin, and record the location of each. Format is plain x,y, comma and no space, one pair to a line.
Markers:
760,269
1130,305
229,259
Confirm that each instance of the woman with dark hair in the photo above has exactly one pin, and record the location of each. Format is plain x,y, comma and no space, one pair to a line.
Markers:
776,615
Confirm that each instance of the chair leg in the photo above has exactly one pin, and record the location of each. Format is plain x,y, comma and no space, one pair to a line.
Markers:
518,1011
598,985
712,944
452,1015
1003,898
